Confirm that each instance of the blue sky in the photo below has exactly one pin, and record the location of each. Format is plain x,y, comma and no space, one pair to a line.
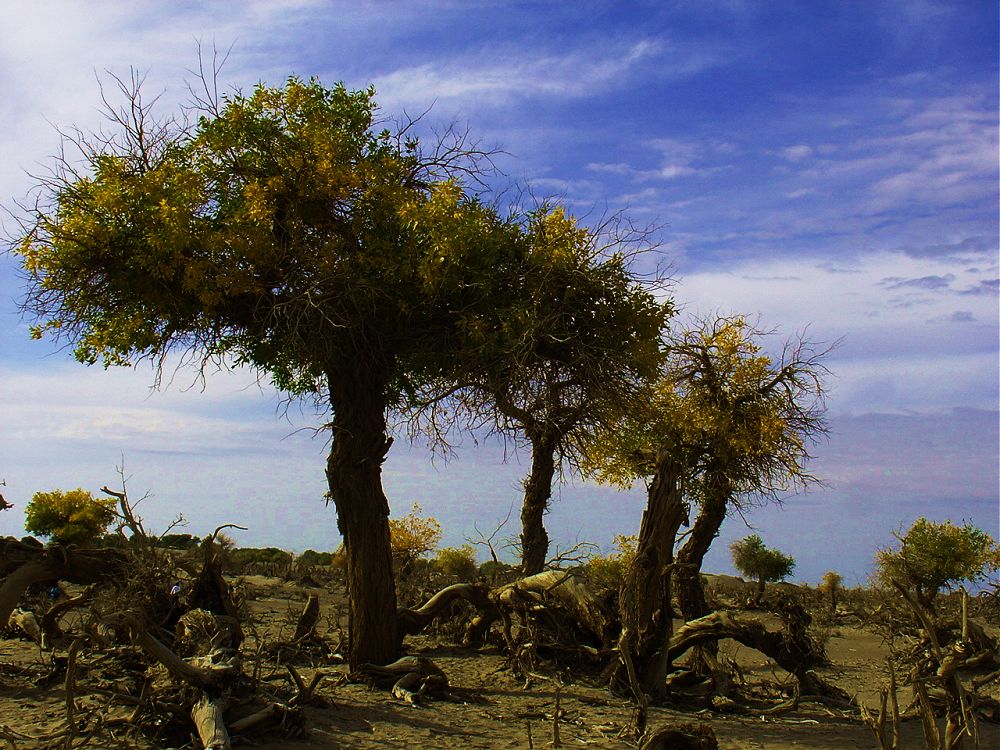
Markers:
826,166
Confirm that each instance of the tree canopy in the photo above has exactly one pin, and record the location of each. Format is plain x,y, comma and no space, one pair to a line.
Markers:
764,564
739,420
70,516
934,556
286,230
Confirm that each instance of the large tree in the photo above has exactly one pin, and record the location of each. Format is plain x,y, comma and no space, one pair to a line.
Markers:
283,230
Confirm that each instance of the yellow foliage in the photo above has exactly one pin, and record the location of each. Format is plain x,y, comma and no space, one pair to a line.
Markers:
608,572
73,516
413,535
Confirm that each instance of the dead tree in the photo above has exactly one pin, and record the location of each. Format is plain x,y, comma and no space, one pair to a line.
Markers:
24,564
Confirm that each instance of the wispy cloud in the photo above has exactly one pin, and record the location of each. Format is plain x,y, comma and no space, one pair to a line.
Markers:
933,282
524,75
874,305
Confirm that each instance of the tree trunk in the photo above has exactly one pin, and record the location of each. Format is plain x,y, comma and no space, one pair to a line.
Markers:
537,493
645,596
687,574
690,593
24,564
354,475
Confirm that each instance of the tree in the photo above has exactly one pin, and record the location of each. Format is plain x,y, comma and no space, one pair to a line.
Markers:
578,338
748,420
761,563
70,517
832,584
282,230
934,556
724,424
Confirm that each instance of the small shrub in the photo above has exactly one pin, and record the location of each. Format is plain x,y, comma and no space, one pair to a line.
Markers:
458,562
832,583
413,536
609,572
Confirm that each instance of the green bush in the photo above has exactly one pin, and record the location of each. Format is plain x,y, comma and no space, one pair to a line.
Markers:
178,541
761,563
75,516
458,562
609,572
934,556
313,558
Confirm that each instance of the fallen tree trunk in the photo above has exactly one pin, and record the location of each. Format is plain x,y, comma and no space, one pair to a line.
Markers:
566,590
25,564
412,621
791,653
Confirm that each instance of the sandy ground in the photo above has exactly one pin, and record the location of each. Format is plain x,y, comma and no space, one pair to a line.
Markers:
490,709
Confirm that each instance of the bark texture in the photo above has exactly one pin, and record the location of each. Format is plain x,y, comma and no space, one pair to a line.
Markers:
645,596
687,574
354,475
537,494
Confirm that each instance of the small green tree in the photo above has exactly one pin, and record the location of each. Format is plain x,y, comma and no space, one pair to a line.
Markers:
74,516
934,556
459,562
761,563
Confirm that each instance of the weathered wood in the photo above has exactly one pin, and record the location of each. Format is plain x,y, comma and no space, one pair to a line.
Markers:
793,652
207,717
50,620
306,626
25,564
565,589
412,621
209,671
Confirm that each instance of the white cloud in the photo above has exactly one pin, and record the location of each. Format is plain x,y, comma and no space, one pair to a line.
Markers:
916,346
796,153
478,77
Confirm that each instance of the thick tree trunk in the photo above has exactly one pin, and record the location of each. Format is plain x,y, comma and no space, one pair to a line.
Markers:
537,493
354,475
645,596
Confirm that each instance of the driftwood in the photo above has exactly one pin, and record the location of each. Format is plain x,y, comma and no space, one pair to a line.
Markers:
412,621
50,620
564,589
25,621
409,678
207,717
